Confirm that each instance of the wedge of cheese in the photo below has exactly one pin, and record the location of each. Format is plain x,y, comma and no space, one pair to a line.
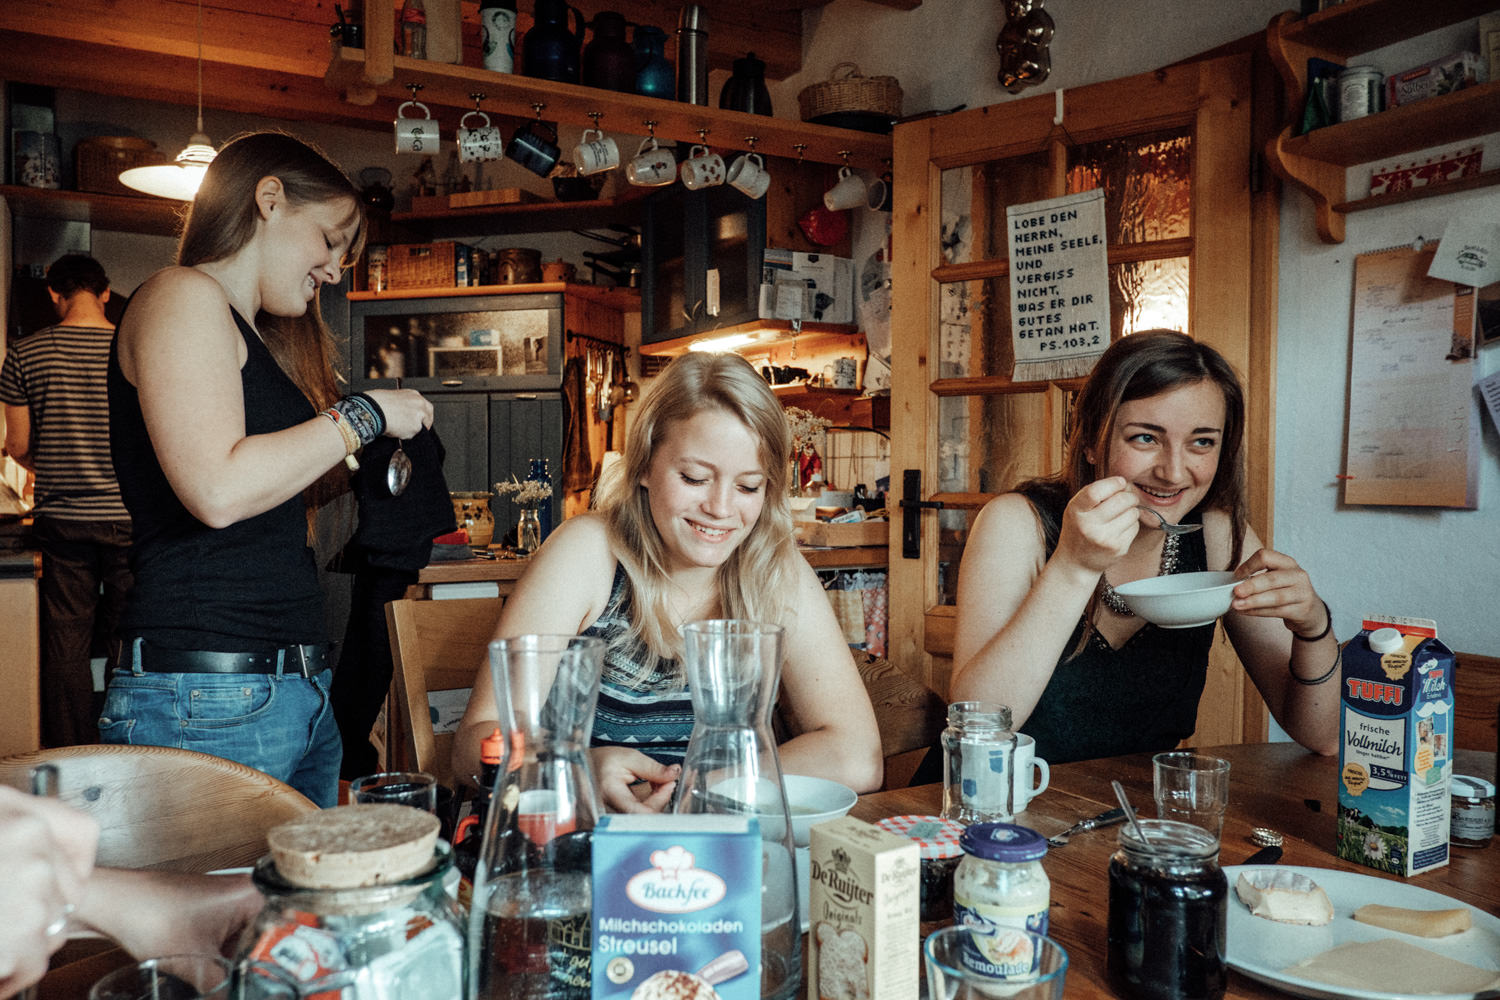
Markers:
1284,896
1420,923
354,846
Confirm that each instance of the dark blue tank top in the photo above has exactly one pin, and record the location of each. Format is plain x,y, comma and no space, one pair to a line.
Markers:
1143,696
248,587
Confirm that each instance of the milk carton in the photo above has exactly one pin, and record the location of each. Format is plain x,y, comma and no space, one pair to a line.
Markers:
865,903
676,907
1396,751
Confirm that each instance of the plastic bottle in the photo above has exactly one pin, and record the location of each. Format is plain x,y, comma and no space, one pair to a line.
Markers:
414,29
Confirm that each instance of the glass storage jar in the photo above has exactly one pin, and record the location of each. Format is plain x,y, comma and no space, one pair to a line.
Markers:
1167,913
1473,816
978,753
401,939
938,841
1000,885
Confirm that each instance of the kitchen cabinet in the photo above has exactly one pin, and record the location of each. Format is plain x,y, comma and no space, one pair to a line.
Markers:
701,256
1317,162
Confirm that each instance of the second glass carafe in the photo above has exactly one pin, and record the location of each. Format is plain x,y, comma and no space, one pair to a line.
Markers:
731,766
529,924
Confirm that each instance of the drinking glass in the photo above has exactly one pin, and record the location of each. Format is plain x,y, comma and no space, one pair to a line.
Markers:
956,968
403,788
171,977
1191,788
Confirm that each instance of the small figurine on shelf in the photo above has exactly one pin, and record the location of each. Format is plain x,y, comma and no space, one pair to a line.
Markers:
807,463
424,178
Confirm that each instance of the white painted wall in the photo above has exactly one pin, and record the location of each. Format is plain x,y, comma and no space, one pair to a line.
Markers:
1364,560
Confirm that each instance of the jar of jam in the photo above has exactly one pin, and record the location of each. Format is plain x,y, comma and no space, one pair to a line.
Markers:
1167,913
938,841
1000,886
1473,817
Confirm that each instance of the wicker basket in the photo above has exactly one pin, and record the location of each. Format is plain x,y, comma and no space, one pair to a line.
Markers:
420,265
846,89
100,159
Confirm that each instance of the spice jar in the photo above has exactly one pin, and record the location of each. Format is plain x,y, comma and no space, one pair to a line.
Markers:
1000,885
940,853
1473,818
1167,913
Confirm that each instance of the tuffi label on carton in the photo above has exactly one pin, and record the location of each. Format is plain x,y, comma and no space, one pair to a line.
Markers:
676,907
1396,748
864,905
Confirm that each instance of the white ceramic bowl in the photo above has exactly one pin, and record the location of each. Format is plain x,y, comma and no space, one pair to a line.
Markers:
813,800
1181,600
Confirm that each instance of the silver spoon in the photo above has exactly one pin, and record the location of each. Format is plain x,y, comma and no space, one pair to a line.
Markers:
1129,812
398,473
1168,526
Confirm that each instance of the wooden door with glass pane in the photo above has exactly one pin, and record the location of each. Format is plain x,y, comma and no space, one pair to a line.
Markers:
1171,150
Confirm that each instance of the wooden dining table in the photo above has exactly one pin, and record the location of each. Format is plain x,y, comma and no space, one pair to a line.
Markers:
1276,785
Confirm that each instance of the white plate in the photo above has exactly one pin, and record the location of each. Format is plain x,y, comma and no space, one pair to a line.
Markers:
1262,948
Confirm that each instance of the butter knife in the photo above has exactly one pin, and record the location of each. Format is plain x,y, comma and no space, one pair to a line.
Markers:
1106,818
1264,856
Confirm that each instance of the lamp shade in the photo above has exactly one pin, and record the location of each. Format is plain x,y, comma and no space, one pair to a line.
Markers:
177,180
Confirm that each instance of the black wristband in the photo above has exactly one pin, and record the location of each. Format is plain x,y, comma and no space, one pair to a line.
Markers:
362,416
1326,628
1338,656
367,400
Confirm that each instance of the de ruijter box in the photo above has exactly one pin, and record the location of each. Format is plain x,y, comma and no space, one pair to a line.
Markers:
676,906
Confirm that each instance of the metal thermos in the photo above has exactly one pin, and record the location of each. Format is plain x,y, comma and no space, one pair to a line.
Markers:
692,55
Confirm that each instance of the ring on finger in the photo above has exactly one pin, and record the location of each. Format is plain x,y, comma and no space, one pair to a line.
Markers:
59,925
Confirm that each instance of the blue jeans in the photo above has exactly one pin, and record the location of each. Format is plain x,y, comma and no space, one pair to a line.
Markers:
281,724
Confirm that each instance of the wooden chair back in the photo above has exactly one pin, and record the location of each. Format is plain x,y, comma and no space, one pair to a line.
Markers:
160,807
1476,702
436,646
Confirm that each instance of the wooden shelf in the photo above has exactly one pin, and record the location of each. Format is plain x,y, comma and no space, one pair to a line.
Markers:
530,217
124,213
446,89
844,407
1484,178
1317,162
618,298
769,333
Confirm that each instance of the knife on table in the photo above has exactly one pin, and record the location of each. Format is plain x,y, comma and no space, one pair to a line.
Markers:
1106,818
1264,856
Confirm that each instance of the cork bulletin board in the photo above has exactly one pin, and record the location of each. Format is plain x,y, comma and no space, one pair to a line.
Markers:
1413,431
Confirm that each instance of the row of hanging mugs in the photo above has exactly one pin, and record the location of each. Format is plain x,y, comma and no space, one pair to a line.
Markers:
535,147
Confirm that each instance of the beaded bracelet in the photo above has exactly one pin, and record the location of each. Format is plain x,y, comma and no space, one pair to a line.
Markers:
1338,656
1326,628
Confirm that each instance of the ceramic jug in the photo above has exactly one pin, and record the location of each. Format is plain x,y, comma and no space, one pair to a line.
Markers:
551,49
653,74
608,59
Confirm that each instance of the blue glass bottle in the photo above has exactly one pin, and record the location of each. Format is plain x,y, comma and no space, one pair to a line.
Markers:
653,74
539,474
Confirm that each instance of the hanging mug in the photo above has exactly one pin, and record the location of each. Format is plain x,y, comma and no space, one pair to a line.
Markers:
852,191
651,166
597,154
702,169
416,135
476,145
749,175
533,150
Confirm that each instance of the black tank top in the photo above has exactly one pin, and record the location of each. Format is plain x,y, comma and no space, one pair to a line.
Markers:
1143,696
248,587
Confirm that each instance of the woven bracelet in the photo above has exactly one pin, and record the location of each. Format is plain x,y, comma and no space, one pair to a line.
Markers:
361,415
1338,655
1326,628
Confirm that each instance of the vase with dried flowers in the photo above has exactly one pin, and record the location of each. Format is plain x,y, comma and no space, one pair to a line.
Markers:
807,429
528,496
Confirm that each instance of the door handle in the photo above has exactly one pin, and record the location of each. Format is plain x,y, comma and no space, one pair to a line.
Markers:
912,506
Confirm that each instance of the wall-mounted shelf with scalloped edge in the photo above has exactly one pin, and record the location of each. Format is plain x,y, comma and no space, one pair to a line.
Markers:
1317,162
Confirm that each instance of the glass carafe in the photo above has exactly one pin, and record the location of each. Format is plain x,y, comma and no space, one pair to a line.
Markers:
529,924
731,766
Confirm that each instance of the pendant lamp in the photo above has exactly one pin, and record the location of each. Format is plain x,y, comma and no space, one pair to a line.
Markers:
179,180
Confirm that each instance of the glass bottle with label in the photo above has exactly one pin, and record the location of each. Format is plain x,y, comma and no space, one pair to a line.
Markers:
1167,913
978,751
1000,885
529,924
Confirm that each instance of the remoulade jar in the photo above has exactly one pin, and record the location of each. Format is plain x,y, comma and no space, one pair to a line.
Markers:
1000,885
1167,913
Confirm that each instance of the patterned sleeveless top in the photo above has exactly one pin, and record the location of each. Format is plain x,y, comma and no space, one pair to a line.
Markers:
654,715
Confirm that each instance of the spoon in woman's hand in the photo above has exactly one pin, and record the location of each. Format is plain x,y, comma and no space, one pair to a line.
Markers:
1168,526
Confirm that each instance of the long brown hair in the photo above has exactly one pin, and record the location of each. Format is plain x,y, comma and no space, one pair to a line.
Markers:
1135,367
755,578
222,219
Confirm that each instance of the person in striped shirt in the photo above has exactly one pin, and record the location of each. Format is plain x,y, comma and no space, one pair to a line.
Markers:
57,425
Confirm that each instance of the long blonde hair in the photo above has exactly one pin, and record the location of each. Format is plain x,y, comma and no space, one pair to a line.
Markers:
754,582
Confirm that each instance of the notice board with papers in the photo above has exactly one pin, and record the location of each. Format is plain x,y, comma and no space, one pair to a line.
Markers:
1413,433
